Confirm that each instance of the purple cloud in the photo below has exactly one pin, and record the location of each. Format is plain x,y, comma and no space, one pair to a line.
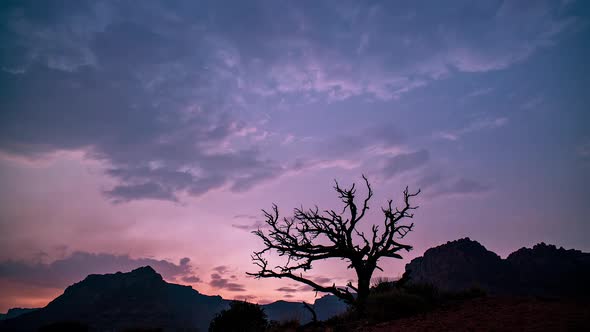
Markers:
217,281
121,83
287,290
459,186
78,265
405,162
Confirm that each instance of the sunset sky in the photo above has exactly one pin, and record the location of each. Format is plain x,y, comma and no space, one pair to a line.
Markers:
153,132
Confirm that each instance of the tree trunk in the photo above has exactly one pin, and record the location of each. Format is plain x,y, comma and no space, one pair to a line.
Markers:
364,284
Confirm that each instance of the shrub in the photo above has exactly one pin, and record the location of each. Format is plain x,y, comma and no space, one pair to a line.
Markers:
283,326
394,299
383,285
241,316
428,292
395,304
391,300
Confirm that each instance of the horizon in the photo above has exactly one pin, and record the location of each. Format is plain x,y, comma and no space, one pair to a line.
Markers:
155,133
261,301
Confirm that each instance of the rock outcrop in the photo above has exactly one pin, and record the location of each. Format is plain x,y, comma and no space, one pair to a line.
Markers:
547,270
543,270
457,265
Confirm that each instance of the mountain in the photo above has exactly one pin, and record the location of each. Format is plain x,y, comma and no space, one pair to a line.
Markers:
142,299
457,265
543,270
329,306
325,307
284,310
546,270
15,312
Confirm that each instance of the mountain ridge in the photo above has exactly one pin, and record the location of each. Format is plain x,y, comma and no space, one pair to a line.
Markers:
112,301
142,299
543,270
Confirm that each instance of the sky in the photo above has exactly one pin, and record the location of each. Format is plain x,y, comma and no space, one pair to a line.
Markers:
154,132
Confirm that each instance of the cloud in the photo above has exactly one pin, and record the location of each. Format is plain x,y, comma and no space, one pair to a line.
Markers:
164,94
479,92
460,186
301,165
249,222
191,279
532,103
429,179
221,269
150,190
78,265
245,297
350,151
156,155
245,216
287,290
305,288
218,282
342,50
482,124
251,226
583,150
405,162
517,30
322,280
133,110
435,182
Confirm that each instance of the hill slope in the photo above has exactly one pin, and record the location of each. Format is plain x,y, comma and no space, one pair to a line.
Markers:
497,314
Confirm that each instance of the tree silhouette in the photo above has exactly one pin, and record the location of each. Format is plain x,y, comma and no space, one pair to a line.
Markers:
240,317
311,235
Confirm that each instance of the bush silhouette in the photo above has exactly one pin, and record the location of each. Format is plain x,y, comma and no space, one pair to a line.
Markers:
283,326
241,316
395,304
396,299
383,285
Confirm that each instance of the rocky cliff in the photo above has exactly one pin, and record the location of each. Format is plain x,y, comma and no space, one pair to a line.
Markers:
543,270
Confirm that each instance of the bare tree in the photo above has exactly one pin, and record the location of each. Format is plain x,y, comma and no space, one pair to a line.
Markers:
311,235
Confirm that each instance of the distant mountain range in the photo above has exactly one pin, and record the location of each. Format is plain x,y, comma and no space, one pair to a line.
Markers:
141,298
15,312
543,270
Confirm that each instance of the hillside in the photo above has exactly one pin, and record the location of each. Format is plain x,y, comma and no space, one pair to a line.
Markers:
497,314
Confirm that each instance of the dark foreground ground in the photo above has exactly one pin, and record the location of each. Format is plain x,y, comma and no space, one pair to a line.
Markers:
497,314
